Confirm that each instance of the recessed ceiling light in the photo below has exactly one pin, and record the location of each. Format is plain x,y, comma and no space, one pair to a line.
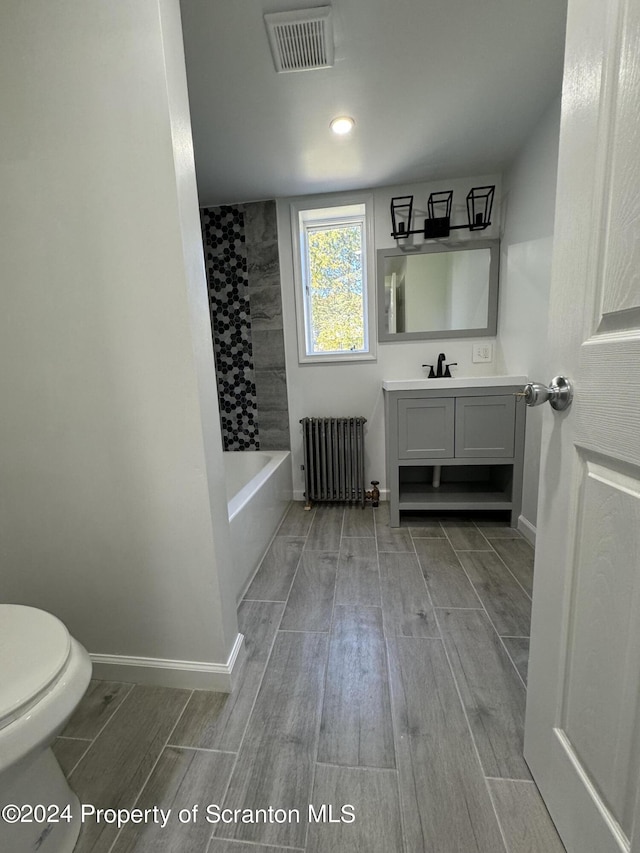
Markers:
342,125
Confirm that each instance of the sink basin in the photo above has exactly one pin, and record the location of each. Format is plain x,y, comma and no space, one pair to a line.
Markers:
457,382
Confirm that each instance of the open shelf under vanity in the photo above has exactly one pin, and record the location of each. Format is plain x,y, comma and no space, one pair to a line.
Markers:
454,449
462,487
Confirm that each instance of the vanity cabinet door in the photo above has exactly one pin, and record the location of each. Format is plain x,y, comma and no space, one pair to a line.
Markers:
425,428
485,426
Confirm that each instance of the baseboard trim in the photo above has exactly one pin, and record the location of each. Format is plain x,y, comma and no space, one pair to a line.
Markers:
528,530
193,675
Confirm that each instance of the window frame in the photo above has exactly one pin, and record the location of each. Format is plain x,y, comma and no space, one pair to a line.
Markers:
332,205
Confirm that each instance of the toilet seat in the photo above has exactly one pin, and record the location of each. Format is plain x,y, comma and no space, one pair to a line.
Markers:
34,651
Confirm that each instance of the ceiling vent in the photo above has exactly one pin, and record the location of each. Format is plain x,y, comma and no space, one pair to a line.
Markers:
301,41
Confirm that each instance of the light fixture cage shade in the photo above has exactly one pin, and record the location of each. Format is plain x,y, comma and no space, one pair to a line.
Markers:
401,215
438,223
479,206
439,205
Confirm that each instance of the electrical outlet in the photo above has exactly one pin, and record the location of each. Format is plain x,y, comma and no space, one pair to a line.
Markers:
482,351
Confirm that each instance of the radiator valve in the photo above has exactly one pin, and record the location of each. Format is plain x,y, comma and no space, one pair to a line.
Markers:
374,494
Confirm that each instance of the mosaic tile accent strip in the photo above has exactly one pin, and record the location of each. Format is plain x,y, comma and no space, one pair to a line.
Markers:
223,232
243,275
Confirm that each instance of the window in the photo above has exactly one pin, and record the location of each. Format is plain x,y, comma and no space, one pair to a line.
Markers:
332,254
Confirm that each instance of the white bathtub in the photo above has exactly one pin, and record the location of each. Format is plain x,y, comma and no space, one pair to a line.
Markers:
259,488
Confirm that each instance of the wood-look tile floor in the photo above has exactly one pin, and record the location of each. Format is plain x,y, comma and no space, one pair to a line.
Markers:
384,681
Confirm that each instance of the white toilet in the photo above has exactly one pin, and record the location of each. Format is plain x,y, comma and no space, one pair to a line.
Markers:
44,673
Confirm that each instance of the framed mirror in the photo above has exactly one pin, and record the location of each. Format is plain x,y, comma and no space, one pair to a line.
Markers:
438,290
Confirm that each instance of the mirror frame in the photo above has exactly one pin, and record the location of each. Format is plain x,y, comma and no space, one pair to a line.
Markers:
488,331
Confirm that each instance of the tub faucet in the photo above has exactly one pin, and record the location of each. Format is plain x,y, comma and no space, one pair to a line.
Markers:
439,371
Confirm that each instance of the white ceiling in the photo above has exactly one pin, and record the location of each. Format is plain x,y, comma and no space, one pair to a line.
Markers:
438,89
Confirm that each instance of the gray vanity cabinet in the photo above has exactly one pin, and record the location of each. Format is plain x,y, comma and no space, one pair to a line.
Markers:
485,426
454,449
426,428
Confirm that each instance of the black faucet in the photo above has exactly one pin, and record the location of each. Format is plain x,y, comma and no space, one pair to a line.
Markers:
440,374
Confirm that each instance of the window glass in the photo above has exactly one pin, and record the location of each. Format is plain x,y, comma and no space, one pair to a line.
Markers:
332,283
335,288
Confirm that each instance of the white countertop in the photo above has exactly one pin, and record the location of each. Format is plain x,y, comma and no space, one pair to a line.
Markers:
458,382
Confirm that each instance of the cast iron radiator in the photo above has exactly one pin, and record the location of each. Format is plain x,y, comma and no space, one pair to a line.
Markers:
334,459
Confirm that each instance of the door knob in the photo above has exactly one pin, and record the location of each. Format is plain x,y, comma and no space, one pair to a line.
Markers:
559,394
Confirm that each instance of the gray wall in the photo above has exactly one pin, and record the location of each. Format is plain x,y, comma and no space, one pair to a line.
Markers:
109,435
525,277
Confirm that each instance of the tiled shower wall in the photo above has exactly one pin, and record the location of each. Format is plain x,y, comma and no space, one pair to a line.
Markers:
243,277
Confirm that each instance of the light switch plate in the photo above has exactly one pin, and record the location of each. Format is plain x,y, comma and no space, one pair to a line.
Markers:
482,351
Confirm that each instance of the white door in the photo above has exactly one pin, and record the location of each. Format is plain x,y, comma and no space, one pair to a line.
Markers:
582,737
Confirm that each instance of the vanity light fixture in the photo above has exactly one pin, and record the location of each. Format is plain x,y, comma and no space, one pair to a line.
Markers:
401,215
479,204
341,125
438,222
439,208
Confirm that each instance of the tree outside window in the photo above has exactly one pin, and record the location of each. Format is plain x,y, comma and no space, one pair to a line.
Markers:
332,257
335,289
